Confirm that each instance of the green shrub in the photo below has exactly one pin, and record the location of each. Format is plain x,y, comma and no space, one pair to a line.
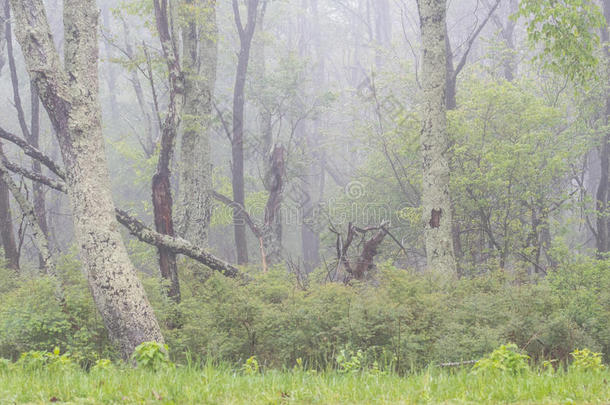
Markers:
37,359
251,366
504,359
402,321
586,360
32,319
152,356
350,362
103,365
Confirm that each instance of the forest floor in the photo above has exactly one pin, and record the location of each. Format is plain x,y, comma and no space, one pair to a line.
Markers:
211,385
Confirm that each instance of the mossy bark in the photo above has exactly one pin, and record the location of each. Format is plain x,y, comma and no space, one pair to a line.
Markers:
436,202
200,40
70,95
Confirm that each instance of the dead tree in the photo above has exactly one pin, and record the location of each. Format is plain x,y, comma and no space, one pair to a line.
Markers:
369,249
161,186
269,233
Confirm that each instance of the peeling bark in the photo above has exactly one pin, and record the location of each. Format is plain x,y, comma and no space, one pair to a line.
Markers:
71,97
436,202
161,187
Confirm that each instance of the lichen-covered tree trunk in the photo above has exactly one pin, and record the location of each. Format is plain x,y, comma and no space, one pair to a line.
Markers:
436,202
71,97
200,40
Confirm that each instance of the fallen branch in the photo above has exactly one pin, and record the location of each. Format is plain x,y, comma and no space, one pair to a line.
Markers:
138,229
256,230
33,152
458,363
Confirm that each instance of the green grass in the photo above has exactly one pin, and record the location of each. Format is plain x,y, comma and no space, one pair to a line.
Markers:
213,385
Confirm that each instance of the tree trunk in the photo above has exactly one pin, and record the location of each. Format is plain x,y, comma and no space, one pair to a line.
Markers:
11,253
272,228
2,33
451,79
37,189
508,32
195,191
71,97
601,205
436,202
161,186
383,30
237,142
313,187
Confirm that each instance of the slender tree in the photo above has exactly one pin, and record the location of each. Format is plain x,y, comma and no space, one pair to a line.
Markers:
161,186
246,33
7,234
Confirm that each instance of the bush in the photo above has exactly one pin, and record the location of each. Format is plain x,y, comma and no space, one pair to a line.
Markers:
36,359
151,356
586,360
402,321
505,359
32,319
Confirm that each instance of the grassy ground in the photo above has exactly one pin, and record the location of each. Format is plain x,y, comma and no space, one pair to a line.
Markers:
222,386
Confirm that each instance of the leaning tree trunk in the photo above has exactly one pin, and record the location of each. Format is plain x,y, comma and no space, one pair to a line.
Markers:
71,97
436,202
195,192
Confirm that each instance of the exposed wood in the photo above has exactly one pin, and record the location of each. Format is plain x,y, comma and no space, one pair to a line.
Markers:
161,187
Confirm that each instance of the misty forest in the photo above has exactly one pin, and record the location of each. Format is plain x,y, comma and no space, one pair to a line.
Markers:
304,201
